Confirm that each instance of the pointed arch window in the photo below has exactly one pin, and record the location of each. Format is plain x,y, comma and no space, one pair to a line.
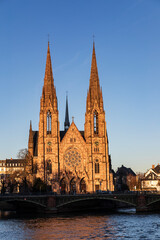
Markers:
49,167
49,121
95,122
96,166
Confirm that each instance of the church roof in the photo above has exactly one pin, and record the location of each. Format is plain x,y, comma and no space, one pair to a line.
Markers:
35,140
35,143
62,134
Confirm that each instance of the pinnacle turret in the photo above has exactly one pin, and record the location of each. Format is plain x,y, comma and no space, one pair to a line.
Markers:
30,140
30,133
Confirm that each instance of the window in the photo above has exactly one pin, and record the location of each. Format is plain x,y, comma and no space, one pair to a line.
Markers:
72,158
95,122
49,118
34,168
49,149
49,167
96,166
72,139
96,149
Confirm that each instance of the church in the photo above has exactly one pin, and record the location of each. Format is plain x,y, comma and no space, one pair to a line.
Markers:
71,161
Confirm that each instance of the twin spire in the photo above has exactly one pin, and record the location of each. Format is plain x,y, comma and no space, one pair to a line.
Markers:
94,93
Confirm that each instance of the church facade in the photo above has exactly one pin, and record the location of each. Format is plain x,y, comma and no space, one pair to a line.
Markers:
71,160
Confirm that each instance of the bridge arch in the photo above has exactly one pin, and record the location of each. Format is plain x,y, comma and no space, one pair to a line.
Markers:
81,201
25,205
153,202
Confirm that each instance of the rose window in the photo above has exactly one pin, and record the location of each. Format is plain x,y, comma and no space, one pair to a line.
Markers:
72,158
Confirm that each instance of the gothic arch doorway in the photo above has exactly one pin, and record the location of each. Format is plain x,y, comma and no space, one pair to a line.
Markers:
63,186
82,186
73,186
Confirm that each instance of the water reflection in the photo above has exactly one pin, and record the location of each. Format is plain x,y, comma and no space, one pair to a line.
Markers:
85,226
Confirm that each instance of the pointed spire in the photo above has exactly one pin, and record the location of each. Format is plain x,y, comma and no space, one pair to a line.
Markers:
94,92
94,79
49,91
66,123
48,71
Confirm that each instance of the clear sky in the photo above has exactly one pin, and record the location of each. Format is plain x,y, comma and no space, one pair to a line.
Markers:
127,41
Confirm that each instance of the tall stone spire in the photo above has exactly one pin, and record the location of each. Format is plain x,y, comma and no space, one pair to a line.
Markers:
48,134
48,70
94,93
49,91
66,123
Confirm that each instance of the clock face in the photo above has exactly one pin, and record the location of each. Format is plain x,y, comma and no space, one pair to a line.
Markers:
96,143
72,158
49,143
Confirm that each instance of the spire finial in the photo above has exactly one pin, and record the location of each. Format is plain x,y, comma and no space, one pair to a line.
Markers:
93,38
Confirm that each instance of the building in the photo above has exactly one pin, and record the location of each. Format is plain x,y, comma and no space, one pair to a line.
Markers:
71,160
125,179
151,180
11,168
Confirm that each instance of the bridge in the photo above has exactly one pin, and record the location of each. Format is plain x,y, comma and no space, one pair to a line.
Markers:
68,203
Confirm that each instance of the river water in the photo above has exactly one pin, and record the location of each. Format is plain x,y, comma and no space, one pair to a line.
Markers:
121,225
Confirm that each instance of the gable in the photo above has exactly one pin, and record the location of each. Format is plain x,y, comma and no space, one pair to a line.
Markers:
73,137
151,174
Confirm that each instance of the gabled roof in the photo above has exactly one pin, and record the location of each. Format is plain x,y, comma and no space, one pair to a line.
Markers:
125,171
157,169
62,134
70,129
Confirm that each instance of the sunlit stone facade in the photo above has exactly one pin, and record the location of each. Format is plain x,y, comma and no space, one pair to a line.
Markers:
72,160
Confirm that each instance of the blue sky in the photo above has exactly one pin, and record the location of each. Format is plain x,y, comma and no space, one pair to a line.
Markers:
127,41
